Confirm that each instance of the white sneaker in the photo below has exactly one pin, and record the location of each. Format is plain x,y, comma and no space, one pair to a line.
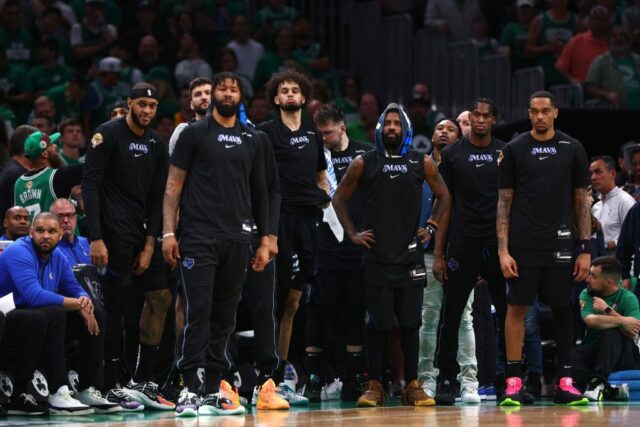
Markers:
100,405
623,392
291,396
470,394
62,403
331,391
594,394
254,398
290,376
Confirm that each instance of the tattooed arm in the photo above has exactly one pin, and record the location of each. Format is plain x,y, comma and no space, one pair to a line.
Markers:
172,194
439,216
347,186
503,217
582,215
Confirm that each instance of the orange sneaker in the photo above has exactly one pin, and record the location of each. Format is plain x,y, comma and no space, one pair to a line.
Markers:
228,392
414,395
373,396
268,397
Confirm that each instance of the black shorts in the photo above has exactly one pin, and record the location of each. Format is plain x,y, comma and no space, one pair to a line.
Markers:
158,276
385,305
552,285
338,287
376,274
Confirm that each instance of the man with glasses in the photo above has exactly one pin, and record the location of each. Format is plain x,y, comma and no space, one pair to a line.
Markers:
75,248
542,184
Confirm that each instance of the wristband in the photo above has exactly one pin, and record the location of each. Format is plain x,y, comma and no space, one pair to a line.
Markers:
431,228
165,235
608,310
585,246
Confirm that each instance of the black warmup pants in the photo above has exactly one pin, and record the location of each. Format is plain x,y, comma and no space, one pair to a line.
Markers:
298,234
258,300
23,333
212,277
485,334
59,324
465,264
614,352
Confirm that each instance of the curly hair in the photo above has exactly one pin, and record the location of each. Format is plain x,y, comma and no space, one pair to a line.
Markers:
288,76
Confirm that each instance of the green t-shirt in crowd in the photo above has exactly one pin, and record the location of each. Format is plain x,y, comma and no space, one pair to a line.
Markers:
630,79
623,302
515,37
18,46
42,79
357,131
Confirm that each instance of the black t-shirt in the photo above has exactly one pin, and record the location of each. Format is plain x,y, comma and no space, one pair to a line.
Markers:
123,183
331,253
225,186
299,155
273,188
471,174
392,190
12,170
543,176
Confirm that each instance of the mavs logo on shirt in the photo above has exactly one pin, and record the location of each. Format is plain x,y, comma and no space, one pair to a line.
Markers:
298,140
481,158
394,171
543,150
138,149
230,138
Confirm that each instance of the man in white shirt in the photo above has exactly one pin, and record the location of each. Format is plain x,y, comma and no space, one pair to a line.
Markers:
248,51
614,203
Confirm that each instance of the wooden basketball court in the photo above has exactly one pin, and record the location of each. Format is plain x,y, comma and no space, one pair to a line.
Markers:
339,414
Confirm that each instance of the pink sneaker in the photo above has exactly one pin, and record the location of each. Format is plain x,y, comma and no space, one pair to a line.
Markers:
513,392
567,394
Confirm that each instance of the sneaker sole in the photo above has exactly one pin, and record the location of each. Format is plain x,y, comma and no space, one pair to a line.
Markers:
211,411
111,410
188,412
264,407
510,402
148,403
17,412
67,412
301,402
366,404
582,402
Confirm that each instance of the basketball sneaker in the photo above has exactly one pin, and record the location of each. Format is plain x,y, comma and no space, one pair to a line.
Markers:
291,396
119,396
414,395
512,395
373,395
147,394
100,405
218,404
567,394
187,404
25,404
331,391
62,403
269,398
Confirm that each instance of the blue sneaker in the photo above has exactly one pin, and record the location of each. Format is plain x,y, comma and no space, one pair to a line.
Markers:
489,392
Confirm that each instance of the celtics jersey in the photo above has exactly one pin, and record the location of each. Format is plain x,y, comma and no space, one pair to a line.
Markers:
35,192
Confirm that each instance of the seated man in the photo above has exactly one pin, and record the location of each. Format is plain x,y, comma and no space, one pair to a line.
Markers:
612,317
16,223
40,278
75,248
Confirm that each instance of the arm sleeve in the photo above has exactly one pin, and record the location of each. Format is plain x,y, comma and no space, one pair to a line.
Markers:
581,177
68,285
95,165
273,183
506,169
24,273
322,161
154,198
626,243
259,196
66,178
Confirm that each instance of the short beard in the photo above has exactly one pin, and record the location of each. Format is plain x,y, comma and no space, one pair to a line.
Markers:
391,143
225,110
201,111
136,120
291,107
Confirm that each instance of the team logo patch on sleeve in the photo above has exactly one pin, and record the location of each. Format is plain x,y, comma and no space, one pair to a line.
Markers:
96,140
453,264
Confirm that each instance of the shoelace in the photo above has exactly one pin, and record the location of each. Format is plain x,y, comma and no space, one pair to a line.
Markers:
96,394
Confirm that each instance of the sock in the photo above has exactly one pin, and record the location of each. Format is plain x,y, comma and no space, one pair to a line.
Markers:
315,363
147,355
355,365
513,369
410,342
563,334
190,380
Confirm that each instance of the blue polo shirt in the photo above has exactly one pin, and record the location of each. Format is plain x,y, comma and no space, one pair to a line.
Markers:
76,252
34,281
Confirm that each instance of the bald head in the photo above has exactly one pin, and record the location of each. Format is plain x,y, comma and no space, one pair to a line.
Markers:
16,222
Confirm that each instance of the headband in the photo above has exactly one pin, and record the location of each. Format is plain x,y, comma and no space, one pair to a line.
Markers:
144,93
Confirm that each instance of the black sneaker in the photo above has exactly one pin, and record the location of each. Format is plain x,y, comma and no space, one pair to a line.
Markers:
25,404
147,394
532,389
446,393
313,389
352,388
